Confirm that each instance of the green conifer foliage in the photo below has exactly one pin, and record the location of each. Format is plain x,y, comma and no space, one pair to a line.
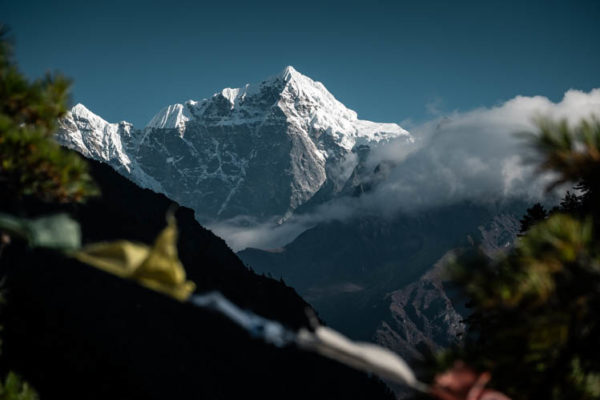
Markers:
534,214
535,321
31,163
13,388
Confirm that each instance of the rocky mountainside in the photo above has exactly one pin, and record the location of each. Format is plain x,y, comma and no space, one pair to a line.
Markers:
422,316
262,150
379,279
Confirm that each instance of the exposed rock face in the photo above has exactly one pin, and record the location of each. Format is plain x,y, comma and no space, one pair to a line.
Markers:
421,315
348,270
380,279
499,235
261,150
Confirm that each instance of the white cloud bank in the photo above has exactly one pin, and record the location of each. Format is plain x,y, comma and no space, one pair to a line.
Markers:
472,155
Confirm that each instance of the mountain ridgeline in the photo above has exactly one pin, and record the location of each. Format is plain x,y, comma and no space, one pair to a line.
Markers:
262,150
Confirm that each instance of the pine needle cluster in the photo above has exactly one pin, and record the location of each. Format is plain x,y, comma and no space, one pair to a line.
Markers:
31,163
535,321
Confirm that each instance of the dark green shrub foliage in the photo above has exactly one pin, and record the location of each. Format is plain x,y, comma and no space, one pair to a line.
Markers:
13,388
535,312
31,163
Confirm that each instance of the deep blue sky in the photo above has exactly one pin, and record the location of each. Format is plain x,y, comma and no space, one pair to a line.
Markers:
388,60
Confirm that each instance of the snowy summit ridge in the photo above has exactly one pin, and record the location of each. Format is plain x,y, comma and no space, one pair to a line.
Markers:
261,150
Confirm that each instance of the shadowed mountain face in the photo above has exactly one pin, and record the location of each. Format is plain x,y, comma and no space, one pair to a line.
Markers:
76,332
375,279
125,211
422,316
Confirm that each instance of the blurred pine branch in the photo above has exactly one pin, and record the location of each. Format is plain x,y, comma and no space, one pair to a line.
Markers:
31,163
534,323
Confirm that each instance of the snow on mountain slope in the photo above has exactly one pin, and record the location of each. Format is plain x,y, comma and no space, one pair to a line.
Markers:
95,138
261,150
171,117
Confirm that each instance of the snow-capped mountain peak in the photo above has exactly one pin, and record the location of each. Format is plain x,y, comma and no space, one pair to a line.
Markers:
234,95
171,117
310,101
81,112
289,73
261,150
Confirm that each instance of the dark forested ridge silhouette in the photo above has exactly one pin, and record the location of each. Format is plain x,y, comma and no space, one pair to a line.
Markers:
74,331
